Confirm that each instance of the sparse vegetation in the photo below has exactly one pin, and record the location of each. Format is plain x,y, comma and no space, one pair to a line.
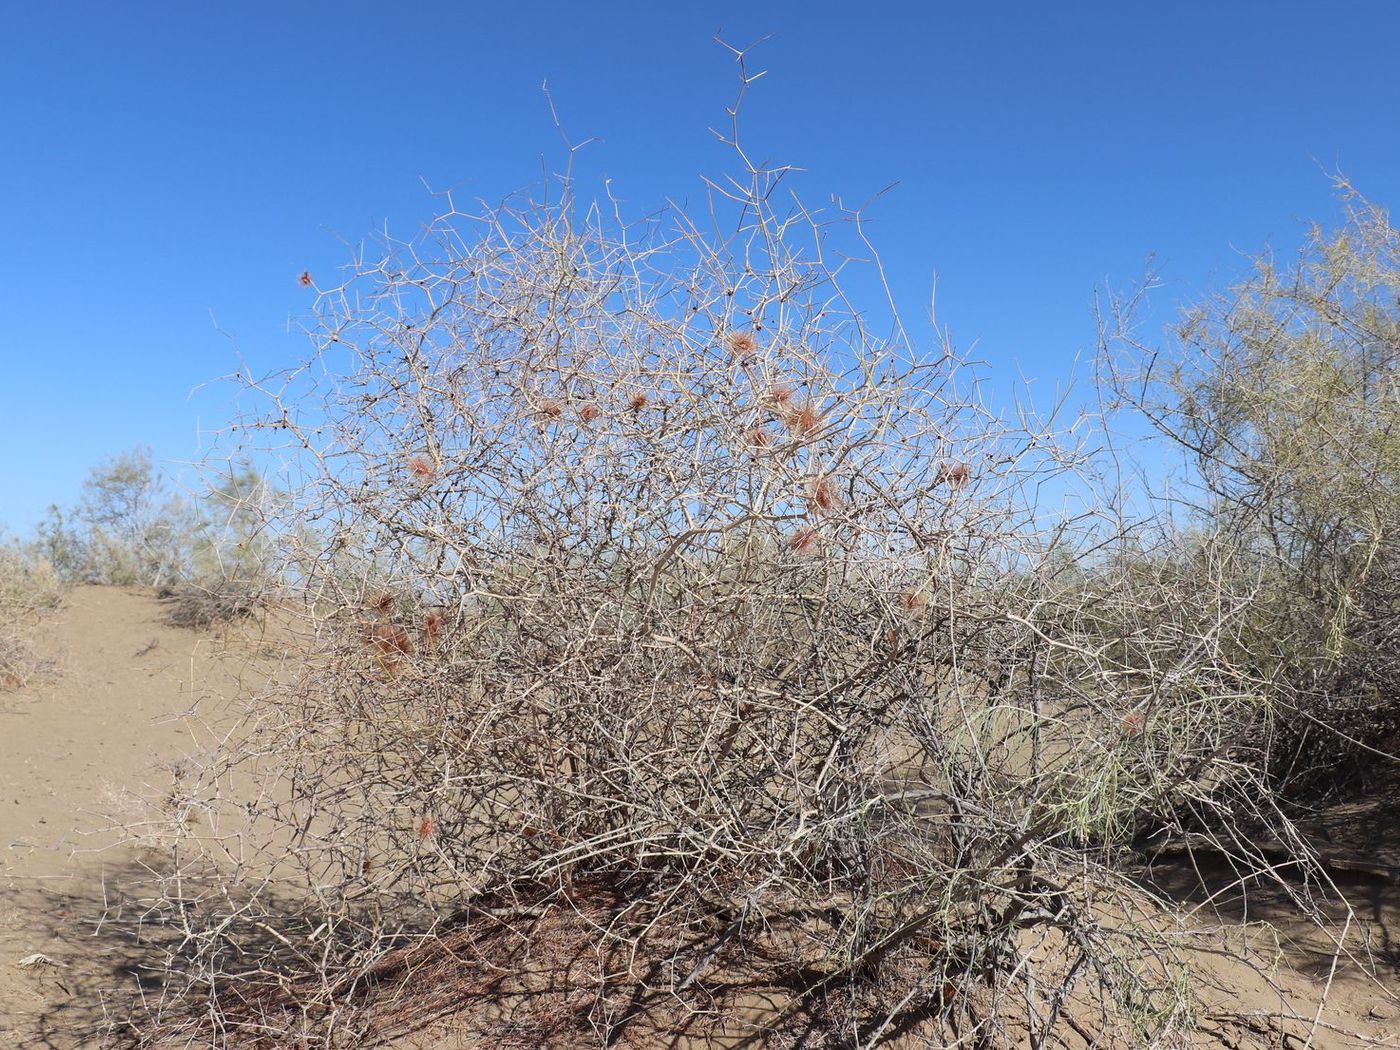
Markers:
28,590
127,528
210,558
200,607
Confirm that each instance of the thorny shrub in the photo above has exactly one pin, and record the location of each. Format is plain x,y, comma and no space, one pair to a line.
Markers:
652,582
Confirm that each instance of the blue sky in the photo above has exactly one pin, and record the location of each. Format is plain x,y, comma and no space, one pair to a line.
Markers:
162,163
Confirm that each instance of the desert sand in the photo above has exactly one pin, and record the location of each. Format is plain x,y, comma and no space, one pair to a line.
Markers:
80,747
87,745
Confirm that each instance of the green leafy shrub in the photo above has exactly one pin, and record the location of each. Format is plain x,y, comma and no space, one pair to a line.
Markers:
1284,392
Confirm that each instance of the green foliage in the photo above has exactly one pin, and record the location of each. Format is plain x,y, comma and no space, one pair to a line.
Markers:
129,528
61,544
232,540
1289,391
1285,392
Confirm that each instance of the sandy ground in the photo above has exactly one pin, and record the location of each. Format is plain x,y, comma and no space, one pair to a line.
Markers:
131,697
77,750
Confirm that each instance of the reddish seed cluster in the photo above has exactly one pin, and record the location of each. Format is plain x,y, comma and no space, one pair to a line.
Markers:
804,420
432,626
421,467
551,409
305,279
780,395
637,401
588,413
823,496
384,601
1132,723
760,438
391,644
427,828
955,474
391,639
913,601
742,345
805,541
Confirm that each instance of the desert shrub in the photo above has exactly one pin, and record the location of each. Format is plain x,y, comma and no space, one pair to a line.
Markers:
28,589
211,556
233,540
658,591
230,567
203,605
1285,394
58,541
127,527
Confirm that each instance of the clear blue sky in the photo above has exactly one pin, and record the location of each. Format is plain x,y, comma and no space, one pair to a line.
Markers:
162,161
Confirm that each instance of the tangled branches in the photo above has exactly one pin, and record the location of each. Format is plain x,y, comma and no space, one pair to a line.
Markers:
667,621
